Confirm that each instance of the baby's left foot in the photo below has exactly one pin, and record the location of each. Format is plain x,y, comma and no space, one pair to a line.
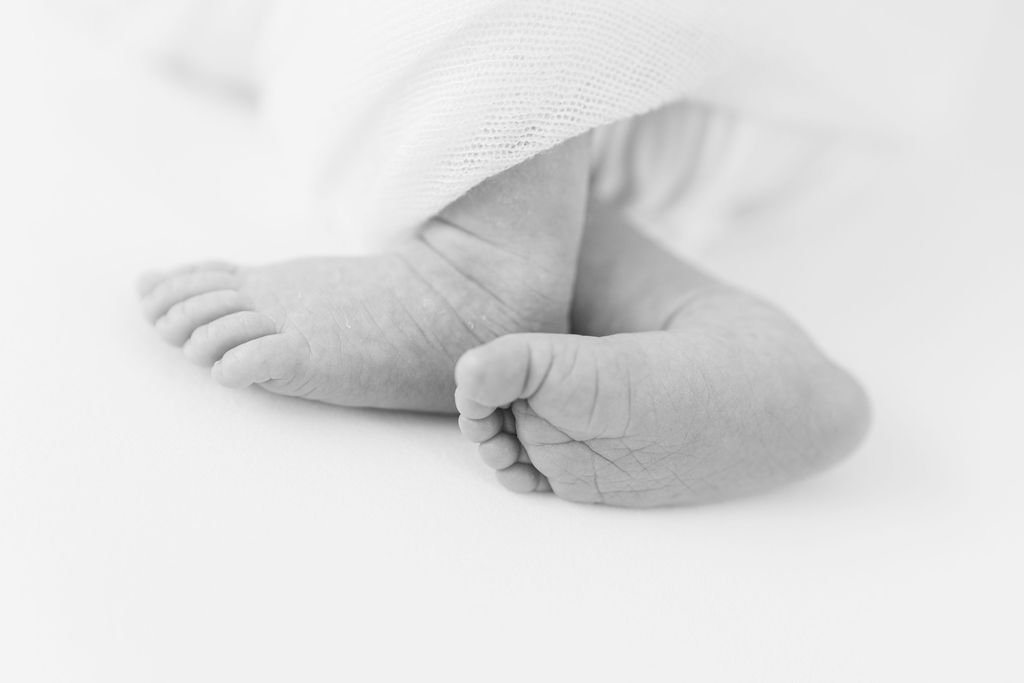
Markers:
688,391
654,418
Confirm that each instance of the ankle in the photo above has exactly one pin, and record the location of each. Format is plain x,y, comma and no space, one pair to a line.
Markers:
487,287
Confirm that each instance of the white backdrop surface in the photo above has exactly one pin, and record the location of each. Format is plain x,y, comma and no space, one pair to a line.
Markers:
156,527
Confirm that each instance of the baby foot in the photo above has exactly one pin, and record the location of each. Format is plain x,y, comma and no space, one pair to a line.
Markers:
688,391
647,419
386,331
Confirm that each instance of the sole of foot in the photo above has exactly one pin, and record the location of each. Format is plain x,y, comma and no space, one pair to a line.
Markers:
652,418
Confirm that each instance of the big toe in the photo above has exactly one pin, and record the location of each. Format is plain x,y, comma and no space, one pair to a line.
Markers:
500,372
273,358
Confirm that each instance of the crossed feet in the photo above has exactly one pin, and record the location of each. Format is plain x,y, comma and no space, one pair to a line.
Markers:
677,389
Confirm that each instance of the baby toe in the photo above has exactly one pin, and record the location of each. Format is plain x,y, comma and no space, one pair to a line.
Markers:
210,342
522,478
276,357
149,280
483,429
500,452
175,289
501,371
185,316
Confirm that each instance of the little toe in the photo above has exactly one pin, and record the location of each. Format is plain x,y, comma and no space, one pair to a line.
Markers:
522,478
175,289
149,280
500,452
275,357
483,429
178,324
210,342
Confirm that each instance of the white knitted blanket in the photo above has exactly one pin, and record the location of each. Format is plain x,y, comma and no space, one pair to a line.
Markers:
391,109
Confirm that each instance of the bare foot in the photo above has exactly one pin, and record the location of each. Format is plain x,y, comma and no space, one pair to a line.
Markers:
386,331
727,398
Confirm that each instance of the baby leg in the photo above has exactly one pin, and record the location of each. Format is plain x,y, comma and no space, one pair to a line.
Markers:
385,331
689,391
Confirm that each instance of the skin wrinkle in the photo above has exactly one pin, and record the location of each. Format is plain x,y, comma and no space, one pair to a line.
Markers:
645,464
540,271
629,399
682,482
597,481
519,320
604,458
565,375
523,391
699,403
339,324
636,458
595,400
685,305
471,279
600,456
570,474
373,320
554,272
448,304
309,354
549,365
429,337
304,389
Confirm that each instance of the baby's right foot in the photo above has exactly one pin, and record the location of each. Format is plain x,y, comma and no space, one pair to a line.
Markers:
385,331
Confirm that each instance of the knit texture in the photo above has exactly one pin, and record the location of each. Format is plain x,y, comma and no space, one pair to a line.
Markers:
395,123
388,110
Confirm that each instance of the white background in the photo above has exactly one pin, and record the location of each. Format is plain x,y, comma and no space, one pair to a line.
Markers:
156,527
